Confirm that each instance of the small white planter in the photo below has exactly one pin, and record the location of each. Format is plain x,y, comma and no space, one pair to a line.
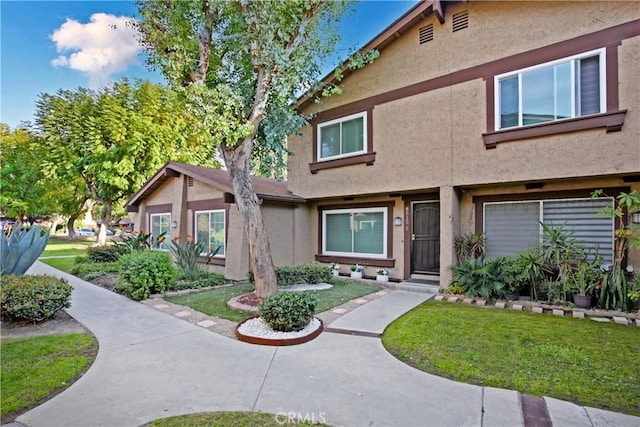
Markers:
356,274
336,273
382,278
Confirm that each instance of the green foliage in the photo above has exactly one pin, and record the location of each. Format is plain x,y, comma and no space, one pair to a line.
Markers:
585,277
300,274
33,298
143,273
471,245
288,311
115,137
203,280
480,277
21,248
108,253
188,256
84,268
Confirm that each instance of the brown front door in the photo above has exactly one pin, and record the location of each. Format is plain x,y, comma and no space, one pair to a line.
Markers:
425,238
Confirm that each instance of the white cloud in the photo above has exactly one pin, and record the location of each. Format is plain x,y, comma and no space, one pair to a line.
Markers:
104,46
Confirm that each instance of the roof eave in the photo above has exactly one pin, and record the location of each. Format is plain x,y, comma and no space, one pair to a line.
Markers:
379,42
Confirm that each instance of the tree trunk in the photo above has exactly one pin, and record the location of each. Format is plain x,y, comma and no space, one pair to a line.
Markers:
70,229
106,220
237,160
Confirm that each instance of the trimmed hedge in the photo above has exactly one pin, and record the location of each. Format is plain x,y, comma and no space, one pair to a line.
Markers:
145,272
108,253
300,274
288,311
33,298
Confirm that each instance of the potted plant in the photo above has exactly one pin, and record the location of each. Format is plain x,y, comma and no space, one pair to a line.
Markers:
382,275
584,279
356,271
335,269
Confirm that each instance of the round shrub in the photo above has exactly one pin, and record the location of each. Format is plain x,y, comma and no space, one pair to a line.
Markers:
145,272
288,311
33,298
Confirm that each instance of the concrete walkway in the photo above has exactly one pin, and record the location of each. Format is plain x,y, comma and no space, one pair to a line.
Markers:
152,365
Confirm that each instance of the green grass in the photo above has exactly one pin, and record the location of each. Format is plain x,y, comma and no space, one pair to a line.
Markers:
34,368
234,419
589,363
57,247
214,302
66,250
63,264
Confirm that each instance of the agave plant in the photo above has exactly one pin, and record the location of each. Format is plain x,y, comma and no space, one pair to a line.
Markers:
21,248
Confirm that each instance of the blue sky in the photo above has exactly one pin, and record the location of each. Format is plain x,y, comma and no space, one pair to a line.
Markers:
51,45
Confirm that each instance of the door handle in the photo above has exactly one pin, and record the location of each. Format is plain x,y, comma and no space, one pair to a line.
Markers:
413,237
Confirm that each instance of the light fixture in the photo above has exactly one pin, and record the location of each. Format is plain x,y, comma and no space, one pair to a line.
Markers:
397,221
174,224
635,218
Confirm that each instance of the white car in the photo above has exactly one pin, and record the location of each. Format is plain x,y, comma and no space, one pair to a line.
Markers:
87,232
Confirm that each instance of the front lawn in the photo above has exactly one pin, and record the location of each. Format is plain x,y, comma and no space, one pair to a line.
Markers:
35,368
589,363
61,253
214,302
57,247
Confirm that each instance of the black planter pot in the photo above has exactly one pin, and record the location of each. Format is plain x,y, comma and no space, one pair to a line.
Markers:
582,301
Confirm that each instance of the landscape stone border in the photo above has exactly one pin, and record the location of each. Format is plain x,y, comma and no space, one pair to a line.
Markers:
278,342
602,316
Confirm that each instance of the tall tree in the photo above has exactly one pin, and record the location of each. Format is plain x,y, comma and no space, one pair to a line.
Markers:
24,187
241,65
115,138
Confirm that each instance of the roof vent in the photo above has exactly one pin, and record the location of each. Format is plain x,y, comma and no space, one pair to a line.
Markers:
426,34
190,181
460,21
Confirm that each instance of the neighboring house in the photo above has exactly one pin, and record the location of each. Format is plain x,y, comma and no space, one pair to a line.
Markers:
477,117
185,201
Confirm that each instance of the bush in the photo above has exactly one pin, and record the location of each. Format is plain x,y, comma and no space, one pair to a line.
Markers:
146,272
84,268
480,277
33,298
109,253
205,280
288,311
307,273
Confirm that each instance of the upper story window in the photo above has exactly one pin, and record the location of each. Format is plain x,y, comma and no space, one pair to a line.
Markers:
343,137
566,88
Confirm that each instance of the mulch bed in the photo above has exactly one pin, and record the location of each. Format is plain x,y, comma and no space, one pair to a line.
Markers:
251,299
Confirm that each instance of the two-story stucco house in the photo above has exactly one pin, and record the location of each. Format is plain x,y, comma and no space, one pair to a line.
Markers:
477,117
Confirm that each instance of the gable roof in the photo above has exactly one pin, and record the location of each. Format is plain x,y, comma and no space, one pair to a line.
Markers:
266,189
398,27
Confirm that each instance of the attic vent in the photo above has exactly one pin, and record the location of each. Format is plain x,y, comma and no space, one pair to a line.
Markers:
460,21
190,181
426,34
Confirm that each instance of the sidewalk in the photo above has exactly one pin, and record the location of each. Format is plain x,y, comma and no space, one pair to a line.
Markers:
152,365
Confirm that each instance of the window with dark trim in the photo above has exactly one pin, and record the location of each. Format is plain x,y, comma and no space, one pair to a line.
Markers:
563,95
342,137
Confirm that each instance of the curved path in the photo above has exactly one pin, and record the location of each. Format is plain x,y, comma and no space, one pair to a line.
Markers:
152,365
